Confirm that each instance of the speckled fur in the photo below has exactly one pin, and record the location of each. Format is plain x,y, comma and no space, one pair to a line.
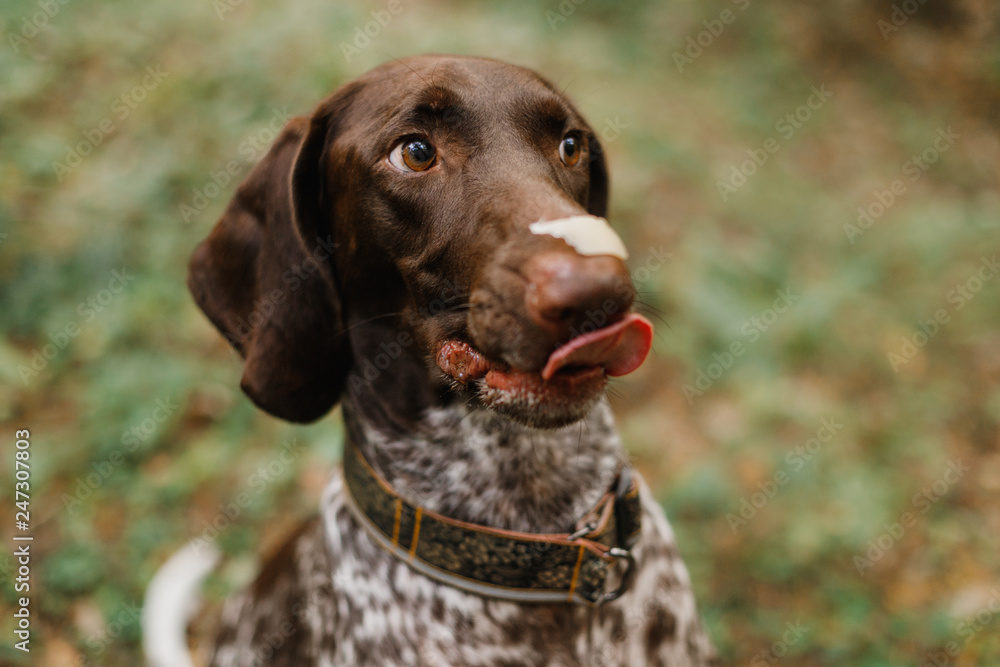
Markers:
333,597
340,278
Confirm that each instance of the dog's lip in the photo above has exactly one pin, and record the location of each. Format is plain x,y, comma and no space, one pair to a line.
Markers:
565,381
461,361
614,350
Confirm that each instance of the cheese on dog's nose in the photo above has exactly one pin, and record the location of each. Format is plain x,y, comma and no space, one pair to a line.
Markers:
588,234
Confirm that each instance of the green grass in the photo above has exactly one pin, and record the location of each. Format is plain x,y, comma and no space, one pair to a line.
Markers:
159,475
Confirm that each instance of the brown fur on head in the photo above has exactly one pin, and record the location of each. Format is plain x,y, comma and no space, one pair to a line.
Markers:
329,250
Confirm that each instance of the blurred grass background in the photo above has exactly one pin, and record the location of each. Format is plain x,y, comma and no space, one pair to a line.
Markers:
140,433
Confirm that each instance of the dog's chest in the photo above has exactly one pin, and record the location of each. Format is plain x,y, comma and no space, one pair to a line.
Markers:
339,598
388,614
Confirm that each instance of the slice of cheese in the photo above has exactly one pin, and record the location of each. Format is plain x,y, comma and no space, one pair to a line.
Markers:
587,234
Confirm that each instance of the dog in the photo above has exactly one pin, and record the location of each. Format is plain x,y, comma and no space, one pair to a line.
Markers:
429,249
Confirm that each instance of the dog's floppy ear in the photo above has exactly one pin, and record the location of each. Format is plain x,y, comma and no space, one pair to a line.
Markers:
265,278
597,200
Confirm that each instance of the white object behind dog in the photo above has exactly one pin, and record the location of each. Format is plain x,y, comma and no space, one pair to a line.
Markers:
171,600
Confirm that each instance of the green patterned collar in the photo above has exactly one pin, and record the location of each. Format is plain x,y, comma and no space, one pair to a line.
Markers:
505,564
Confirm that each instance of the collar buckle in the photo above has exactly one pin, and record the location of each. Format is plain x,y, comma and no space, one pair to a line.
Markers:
587,529
626,579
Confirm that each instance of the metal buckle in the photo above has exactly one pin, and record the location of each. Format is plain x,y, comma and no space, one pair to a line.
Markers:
586,530
626,555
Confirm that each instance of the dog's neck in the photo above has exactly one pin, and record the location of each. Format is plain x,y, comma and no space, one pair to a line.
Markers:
474,465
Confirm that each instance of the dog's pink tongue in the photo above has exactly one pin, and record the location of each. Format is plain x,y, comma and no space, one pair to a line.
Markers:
620,348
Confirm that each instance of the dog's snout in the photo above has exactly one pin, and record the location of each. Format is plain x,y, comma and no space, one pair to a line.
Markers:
569,293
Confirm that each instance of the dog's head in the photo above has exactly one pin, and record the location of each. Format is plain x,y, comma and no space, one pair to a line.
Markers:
441,209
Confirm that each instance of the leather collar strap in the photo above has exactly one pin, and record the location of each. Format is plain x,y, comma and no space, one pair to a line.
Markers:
505,564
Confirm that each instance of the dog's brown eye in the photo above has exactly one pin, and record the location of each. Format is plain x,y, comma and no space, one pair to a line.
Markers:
571,149
413,155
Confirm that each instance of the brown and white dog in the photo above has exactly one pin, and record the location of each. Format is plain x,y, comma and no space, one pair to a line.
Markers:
428,248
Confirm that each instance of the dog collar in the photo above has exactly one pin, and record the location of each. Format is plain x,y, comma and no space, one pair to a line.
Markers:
495,563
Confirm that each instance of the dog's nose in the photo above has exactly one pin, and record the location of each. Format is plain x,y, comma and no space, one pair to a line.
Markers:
569,294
